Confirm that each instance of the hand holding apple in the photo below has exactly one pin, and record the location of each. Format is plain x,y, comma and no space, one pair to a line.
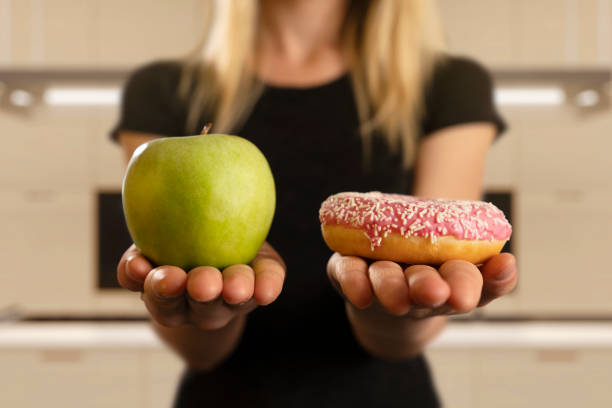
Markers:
205,297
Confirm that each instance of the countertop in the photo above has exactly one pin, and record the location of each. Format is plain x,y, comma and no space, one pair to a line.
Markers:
457,335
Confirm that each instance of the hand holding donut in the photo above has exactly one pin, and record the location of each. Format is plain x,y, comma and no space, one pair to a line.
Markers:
421,290
398,230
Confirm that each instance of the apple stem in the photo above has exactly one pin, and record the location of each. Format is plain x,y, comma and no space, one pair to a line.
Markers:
206,128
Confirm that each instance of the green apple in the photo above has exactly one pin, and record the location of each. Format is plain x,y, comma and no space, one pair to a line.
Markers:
199,200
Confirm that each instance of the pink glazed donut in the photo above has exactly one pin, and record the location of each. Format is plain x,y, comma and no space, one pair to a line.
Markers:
412,230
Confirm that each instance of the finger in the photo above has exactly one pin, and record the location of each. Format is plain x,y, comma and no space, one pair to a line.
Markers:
125,279
206,307
269,278
390,286
267,251
500,275
137,267
211,315
238,284
427,288
164,290
204,283
465,281
350,275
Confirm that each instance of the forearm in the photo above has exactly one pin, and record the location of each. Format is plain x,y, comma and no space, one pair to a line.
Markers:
202,349
393,338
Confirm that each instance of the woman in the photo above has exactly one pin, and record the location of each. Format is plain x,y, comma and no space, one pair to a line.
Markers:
340,96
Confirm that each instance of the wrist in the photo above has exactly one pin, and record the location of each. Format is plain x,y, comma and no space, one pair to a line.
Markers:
392,337
203,349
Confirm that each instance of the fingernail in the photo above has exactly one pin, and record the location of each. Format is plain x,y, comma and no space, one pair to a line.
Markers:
505,274
157,281
134,263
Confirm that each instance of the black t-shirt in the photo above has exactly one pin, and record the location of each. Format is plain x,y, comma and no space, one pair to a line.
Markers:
300,351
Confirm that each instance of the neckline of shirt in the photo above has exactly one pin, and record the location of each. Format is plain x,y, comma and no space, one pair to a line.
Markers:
309,88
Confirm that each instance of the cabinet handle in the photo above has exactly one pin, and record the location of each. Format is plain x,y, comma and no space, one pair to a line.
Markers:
61,356
40,196
557,356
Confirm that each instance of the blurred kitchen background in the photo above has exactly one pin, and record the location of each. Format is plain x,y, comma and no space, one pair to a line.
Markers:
70,337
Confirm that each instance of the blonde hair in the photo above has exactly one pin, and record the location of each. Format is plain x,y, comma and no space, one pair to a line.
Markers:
393,46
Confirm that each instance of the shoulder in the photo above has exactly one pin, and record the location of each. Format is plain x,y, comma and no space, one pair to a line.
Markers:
459,72
157,69
151,102
155,76
460,90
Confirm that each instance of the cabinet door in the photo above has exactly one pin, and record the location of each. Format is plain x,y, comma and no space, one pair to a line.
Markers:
138,31
561,151
71,378
562,242
62,33
49,259
164,370
46,251
542,378
45,151
106,156
483,29
531,34
502,168
453,374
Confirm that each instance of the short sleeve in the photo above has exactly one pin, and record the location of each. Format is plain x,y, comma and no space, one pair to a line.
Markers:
460,92
150,102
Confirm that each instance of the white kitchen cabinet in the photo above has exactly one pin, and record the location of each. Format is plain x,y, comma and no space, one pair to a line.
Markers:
562,378
99,33
541,29
502,170
19,32
563,151
47,150
593,19
138,31
47,251
61,32
105,156
163,371
530,34
560,240
562,247
483,29
50,32
72,378
452,371
542,378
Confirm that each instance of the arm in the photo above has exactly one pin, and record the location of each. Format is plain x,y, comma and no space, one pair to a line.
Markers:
200,314
395,313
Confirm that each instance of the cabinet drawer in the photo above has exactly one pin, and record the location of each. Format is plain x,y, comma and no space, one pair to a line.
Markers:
45,151
106,157
452,371
46,249
562,242
542,378
560,150
71,378
502,166
164,370
491,39
139,31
